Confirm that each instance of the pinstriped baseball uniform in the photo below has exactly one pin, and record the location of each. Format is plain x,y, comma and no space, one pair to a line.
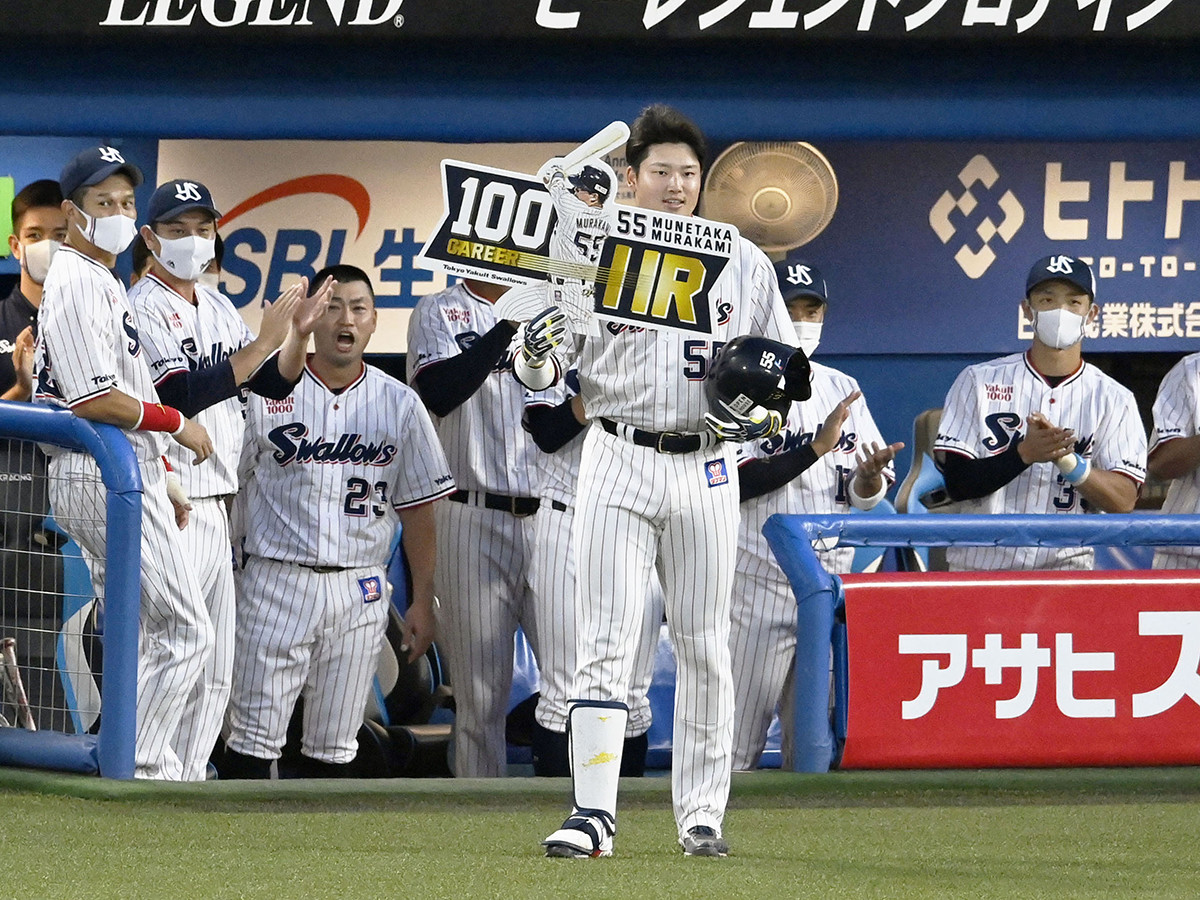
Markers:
578,238
985,411
87,344
482,575
763,617
324,474
638,510
179,336
552,579
1176,415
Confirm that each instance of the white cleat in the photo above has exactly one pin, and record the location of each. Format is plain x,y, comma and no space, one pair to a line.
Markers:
585,833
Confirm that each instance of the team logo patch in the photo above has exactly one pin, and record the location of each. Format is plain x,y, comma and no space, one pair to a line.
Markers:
372,588
716,472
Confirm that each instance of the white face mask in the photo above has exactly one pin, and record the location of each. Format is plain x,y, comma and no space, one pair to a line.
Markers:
186,257
1058,328
35,258
809,336
112,234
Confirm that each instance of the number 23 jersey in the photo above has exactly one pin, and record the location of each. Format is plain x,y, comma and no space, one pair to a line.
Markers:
324,471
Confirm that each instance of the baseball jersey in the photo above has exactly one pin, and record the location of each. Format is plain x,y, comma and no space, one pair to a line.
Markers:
653,379
1177,415
88,343
985,412
329,470
486,446
558,472
179,337
578,237
822,488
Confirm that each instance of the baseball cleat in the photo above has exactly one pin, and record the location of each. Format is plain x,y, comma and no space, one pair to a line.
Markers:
581,837
701,840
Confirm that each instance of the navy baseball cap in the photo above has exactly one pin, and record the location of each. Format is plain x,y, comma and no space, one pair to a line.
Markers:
800,278
92,166
1062,268
177,197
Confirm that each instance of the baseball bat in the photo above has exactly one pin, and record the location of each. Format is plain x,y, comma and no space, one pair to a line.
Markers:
13,684
611,136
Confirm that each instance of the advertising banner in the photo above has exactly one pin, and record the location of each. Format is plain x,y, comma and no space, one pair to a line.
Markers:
931,242
1023,669
396,21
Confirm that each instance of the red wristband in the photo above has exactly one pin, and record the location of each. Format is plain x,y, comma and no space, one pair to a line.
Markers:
156,417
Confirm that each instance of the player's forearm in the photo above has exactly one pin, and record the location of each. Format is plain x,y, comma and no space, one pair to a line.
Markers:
970,479
270,382
1175,458
1109,491
292,356
418,538
246,362
761,476
552,427
446,385
17,392
195,391
114,408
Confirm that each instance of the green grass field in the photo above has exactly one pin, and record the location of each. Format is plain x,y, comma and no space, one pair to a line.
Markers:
1100,833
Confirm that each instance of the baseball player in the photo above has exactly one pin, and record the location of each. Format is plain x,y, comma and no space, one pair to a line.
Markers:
201,355
829,457
328,472
459,361
579,234
1042,431
555,420
658,491
89,359
1175,453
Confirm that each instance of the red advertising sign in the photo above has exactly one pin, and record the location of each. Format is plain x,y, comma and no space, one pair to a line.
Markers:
1022,669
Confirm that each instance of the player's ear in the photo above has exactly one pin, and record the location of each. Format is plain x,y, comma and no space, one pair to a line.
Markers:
630,176
1027,310
1093,312
150,238
13,244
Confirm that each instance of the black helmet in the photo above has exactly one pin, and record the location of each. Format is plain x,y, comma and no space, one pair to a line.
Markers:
751,370
590,178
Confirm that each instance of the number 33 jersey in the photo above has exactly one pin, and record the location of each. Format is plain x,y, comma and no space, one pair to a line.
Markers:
324,472
985,412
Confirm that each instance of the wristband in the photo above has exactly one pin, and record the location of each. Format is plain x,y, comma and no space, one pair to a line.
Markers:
157,417
1075,468
865,503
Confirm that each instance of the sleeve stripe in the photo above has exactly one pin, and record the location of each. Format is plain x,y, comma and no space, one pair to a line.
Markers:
427,499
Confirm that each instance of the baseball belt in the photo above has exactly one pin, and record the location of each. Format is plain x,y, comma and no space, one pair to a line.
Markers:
661,441
517,506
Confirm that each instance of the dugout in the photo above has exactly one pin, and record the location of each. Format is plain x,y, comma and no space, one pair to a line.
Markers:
1088,116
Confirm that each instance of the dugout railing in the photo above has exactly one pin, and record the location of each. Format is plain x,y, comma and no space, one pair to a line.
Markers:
822,704
109,752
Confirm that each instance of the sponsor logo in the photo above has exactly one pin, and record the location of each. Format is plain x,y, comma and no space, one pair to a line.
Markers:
276,13
993,214
372,588
1000,393
280,406
716,472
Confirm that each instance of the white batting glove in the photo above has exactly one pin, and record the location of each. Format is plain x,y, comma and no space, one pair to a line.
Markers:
176,492
756,422
542,334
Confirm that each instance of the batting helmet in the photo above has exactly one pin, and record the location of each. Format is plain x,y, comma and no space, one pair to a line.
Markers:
751,370
589,178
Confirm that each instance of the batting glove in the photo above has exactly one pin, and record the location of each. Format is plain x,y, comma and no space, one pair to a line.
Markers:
756,422
543,333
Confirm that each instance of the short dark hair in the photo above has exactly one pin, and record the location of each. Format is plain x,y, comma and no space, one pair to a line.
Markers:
662,124
141,255
44,192
219,251
341,273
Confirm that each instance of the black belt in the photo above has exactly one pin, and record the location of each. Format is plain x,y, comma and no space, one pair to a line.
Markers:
559,505
518,506
661,441
325,570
